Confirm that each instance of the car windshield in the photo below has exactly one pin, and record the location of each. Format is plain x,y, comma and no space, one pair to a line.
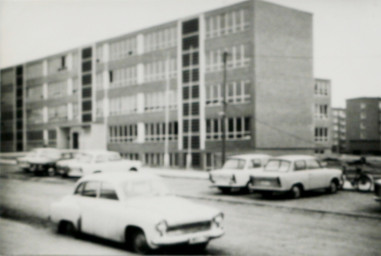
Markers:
114,157
277,165
234,163
84,158
146,187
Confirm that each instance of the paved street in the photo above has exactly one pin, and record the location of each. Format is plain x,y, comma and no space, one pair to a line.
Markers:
263,227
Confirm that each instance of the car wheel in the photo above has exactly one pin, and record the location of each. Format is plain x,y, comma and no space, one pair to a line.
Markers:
198,248
139,242
333,187
66,228
225,190
364,184
296,191
51,172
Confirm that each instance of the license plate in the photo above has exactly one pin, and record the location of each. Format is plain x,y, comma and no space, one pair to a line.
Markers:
265,183
197,240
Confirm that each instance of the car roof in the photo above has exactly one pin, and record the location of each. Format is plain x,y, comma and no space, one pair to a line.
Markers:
98,152
250,156
295,157
118,176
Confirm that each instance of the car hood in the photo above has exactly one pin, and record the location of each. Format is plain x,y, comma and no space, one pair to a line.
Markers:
40,160
172,209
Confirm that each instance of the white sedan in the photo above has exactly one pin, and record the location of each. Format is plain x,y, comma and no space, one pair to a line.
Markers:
96,161
235,174
135,209
295,174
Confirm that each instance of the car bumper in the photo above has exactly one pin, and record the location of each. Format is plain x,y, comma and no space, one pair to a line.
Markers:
269,189
195,238
74,173
224,185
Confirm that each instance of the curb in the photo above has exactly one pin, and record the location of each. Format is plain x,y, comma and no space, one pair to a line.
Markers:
290,208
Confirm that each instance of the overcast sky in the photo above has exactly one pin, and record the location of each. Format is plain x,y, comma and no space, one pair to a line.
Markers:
347,33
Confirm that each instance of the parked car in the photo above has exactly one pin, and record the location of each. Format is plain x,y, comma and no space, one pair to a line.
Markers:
42,160
96,161
136,209
62,166
295,174
235,174
377,190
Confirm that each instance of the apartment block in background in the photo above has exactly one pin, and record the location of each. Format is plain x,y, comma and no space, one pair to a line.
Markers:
322,116
339,130
118,93
364,125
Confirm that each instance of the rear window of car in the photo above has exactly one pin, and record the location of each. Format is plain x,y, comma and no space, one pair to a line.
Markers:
255,163
313,164
277,165
300,165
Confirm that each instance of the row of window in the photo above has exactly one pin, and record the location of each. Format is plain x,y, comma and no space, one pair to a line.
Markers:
321,111
54,114
123,105
157,101
54,90
55,65
321,88
238,56
160,39
122,133
157,131
227,23
58,113
122,77
321,134
155,71
236,92
123,48
236,128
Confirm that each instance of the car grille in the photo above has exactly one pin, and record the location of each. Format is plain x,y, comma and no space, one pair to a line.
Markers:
265,182
189,228
377,189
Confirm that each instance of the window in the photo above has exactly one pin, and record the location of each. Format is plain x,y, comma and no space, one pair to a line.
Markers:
123,48
56,64
34,93
313,164
108,191
57,89
58,113
156,71
123,133
321,87
236,92
237,128
156,101
321,134
238,57
34,116
255,163
34,70
321,111
79,189
300,165
160,39
123,77
122,105
227,23
156,131
90,189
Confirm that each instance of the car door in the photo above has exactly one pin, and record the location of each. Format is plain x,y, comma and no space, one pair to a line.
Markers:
301,174
317,174
88,204
110,213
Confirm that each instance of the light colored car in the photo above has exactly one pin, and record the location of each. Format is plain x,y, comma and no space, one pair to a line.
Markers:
96,161
295,174
63,166
235,174
136,209
377,190
41,160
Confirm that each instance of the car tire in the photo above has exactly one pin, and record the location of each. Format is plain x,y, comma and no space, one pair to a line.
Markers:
139,242
66,228
333,187
296,191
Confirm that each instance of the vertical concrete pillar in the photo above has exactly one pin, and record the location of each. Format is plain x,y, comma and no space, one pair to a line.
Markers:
141,133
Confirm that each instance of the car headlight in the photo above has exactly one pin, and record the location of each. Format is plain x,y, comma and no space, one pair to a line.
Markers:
218,220
162,227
